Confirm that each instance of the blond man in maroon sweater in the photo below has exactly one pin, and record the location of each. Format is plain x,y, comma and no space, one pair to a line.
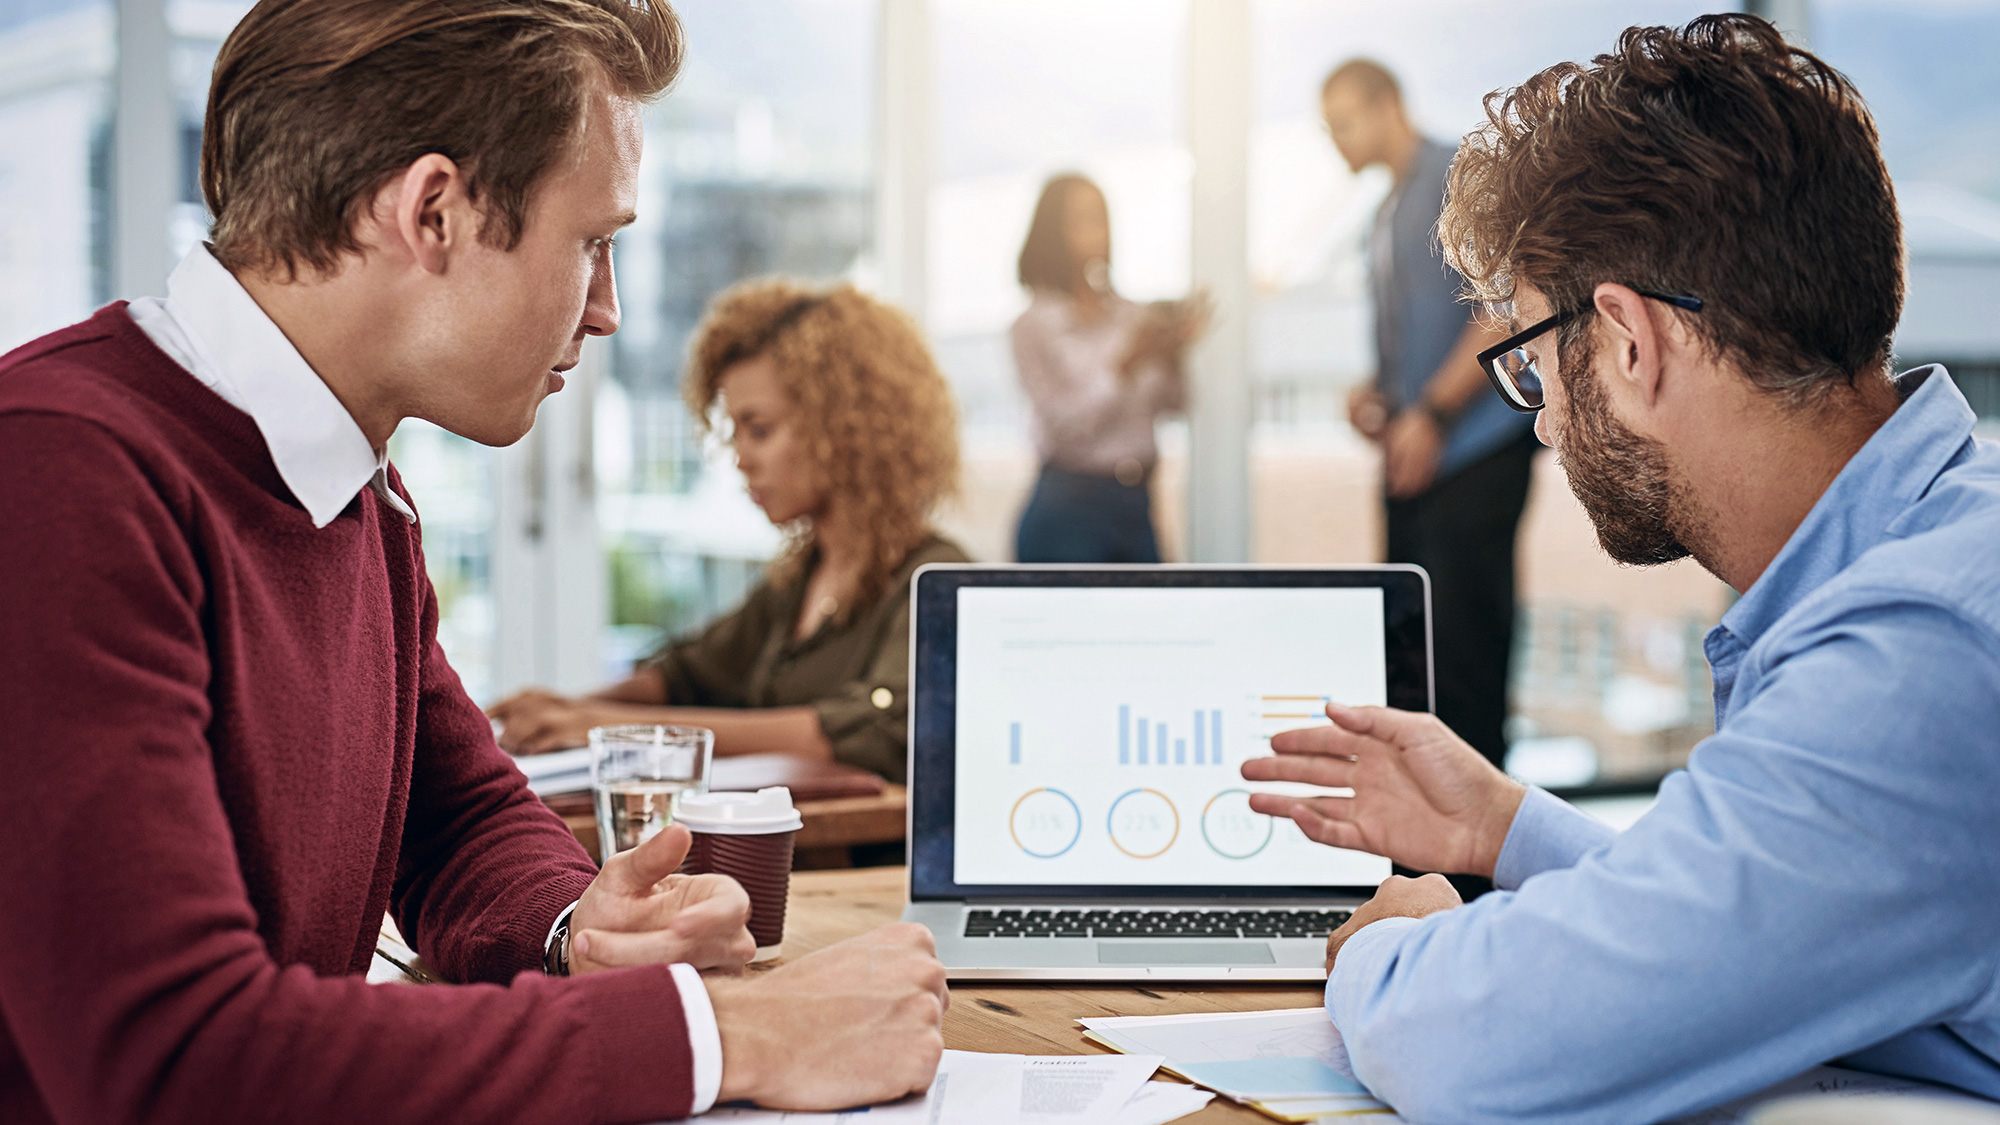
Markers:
234,739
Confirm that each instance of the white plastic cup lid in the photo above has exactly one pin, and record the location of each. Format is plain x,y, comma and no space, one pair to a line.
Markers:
740,814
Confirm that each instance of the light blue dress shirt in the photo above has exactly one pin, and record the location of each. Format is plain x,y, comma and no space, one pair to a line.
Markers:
1821,883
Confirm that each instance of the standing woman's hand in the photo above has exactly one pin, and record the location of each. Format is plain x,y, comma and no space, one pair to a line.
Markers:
1192,318
1166,330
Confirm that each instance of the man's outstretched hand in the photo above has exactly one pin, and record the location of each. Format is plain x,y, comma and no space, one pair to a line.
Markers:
638,912
1422,796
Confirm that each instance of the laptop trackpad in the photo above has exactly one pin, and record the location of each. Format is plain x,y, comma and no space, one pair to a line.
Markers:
1183,953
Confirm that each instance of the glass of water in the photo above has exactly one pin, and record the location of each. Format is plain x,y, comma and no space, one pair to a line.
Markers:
638,773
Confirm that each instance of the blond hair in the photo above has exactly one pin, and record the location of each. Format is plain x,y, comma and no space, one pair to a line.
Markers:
877,416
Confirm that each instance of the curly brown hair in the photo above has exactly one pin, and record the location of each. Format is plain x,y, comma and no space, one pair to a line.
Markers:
878,417
1714,160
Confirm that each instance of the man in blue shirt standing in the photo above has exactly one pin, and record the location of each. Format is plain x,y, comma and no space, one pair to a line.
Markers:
1455,460
1699,246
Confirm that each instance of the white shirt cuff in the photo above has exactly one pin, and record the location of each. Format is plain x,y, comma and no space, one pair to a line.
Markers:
704,1038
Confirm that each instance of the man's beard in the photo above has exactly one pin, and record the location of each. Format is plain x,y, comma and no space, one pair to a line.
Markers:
1621,479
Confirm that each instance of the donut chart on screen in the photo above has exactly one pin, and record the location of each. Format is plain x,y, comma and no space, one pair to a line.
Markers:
1143,823
1229,827
1045,823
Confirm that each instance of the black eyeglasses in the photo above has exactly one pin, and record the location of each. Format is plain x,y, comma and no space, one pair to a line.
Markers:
1512,369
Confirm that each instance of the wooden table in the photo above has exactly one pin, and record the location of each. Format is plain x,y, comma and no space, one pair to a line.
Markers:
1028,1019
832,827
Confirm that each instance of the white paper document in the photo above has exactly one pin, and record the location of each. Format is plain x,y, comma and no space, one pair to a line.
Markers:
1290,1063
1271,1059
562,771
973,1088
1825,1081
1159,1102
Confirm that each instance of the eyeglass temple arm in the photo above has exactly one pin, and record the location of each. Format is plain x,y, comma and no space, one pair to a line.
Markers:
1691,304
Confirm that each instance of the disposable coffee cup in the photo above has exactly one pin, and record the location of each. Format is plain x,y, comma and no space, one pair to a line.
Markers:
748,837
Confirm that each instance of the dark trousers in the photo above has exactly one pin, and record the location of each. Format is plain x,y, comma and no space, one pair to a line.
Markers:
1082,518
1463,533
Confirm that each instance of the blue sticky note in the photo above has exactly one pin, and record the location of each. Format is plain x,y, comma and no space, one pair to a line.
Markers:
1271,1078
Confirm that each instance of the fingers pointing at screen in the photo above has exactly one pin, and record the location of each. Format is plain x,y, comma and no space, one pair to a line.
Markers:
1420,794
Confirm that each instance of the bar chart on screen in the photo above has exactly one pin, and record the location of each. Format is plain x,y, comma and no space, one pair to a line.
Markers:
1146,741
1195,737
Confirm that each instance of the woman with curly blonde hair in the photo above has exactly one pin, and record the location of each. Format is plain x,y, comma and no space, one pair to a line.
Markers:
847,438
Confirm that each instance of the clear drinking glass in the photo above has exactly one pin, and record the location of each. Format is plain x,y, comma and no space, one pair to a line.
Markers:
638,773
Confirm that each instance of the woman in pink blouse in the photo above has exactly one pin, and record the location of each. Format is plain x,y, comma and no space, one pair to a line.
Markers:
1098,370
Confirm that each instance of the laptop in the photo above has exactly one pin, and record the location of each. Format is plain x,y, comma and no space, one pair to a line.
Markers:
1076,808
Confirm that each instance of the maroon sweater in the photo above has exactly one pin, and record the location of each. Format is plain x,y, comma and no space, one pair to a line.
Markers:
231,742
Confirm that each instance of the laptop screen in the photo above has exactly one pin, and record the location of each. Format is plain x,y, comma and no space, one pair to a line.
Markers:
1098,731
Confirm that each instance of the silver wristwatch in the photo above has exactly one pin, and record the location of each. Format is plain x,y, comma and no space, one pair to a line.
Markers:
555,950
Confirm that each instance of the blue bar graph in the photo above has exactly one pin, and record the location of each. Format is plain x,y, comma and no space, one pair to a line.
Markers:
1154,743
1014,743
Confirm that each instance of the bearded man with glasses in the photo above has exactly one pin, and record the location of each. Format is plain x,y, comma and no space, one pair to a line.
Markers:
1697,244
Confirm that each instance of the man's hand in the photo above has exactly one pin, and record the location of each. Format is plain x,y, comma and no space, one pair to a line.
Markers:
854,1024
1422,796
1412,446
1397,897
638,912
536,721
1367,411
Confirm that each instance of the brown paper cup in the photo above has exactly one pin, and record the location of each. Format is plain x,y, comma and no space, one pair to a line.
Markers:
748,837
763,865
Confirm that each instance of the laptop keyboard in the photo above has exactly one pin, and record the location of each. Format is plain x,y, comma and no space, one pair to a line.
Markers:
1211,923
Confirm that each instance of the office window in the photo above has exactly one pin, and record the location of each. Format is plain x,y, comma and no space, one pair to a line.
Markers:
1609,675
56,61
1025,90
1927,72
757,162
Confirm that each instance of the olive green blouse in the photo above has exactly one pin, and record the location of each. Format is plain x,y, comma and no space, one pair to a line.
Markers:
856,673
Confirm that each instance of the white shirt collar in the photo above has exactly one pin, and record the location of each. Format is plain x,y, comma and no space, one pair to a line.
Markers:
209,324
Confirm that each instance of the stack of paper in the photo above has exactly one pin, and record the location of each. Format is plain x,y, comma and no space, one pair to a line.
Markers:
981,1089
562,771
1292,1065
1288,1063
